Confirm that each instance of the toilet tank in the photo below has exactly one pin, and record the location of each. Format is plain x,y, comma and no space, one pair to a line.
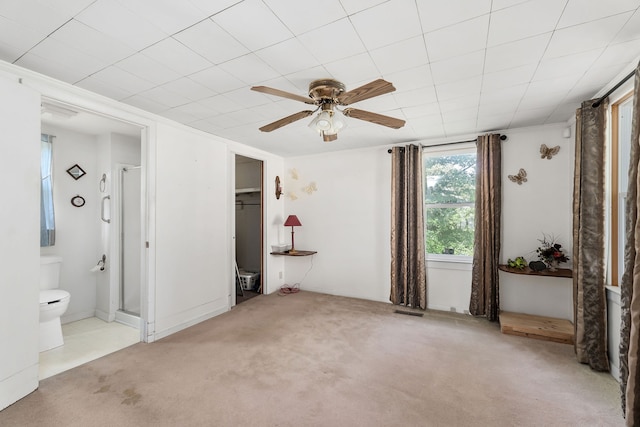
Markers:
50,271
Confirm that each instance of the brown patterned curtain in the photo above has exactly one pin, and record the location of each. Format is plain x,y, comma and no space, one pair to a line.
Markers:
630,284
589,303
408,266
485,288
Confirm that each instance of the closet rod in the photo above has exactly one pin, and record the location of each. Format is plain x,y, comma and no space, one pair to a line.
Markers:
502,138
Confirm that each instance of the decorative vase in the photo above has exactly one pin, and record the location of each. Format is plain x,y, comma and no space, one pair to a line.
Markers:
553,265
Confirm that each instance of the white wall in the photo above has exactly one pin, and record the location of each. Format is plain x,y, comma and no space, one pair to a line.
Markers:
19,240
541,205
77,228
348,222
192,229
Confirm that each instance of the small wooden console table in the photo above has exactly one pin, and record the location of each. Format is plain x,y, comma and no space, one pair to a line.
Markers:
295,253
539,327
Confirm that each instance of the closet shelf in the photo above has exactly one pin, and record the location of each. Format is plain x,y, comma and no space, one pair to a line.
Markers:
247,190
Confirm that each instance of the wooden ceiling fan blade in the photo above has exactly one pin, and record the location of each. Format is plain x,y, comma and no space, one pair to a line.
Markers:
282,93
286,120
374,88
374,118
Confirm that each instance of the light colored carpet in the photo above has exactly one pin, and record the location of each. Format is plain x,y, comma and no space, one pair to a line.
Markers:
309,359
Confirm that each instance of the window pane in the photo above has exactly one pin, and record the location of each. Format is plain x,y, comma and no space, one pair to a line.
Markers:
450,230
450,179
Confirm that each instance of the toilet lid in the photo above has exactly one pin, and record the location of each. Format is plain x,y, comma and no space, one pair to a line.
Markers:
52,295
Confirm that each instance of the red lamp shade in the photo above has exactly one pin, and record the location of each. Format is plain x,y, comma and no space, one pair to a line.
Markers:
292,221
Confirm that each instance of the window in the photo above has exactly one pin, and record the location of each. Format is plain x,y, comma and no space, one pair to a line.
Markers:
47,223
621,115
450,190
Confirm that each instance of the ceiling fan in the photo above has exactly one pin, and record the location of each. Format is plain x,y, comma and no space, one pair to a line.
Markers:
327,95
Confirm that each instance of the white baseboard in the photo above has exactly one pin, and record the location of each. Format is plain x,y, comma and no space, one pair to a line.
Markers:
17,386
201,318
103,315
77,316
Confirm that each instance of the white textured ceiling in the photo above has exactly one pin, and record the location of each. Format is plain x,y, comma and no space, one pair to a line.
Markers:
459,66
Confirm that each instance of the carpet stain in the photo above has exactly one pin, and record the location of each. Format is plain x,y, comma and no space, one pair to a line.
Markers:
103,389
132,397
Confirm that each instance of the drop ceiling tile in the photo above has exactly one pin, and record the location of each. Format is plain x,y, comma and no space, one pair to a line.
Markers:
494,123
50,68
461,127
411,78
524,20
434,15
124,80
581,11
399,18
565,65
244,117
213,7
458,68
92,42
459,39
249,69
145,104
16,39
468,115
562,114
502,108
196,110
42,17
147,69
217,80
247,98
422,110
298,17
502,4
516,54
209,40
168,15
631,30
414,97
332,42
523,118
115,20
354,68
620,54
165,97
287,57
508,95
583,37
176,56
507,78
355,6
58,52
179,116
400,56
459,104
242,19
222,121
95,85
189,88
459,88
221,104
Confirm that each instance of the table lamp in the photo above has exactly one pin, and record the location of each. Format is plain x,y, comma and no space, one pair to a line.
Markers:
292,221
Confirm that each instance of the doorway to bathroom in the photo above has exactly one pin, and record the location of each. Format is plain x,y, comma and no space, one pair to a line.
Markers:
96,259
248,228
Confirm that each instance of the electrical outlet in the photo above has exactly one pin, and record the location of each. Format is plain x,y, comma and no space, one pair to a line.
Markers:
280,275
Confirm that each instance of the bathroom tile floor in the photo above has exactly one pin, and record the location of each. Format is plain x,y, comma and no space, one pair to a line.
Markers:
86,340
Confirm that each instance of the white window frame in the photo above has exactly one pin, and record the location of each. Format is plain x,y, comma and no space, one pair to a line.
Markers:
462,148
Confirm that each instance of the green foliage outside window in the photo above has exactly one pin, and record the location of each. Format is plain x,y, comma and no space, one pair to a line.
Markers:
450,188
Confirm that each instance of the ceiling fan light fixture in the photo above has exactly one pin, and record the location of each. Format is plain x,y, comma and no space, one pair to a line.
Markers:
324,122
329,137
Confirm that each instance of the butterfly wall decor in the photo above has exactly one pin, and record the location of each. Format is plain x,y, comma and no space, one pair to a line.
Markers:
548,153
520,177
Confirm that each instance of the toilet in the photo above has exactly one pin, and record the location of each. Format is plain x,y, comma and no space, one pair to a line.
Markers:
53,302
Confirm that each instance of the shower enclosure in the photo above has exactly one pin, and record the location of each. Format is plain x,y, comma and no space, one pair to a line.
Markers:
128,243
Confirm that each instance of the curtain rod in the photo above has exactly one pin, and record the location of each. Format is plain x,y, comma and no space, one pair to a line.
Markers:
502,138
613,89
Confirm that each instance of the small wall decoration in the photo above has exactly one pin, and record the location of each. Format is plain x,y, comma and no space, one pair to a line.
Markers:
309,189
278,188
520,177
548,153
77,201
76,171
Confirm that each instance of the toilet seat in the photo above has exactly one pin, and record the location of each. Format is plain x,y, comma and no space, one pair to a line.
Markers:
51,296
